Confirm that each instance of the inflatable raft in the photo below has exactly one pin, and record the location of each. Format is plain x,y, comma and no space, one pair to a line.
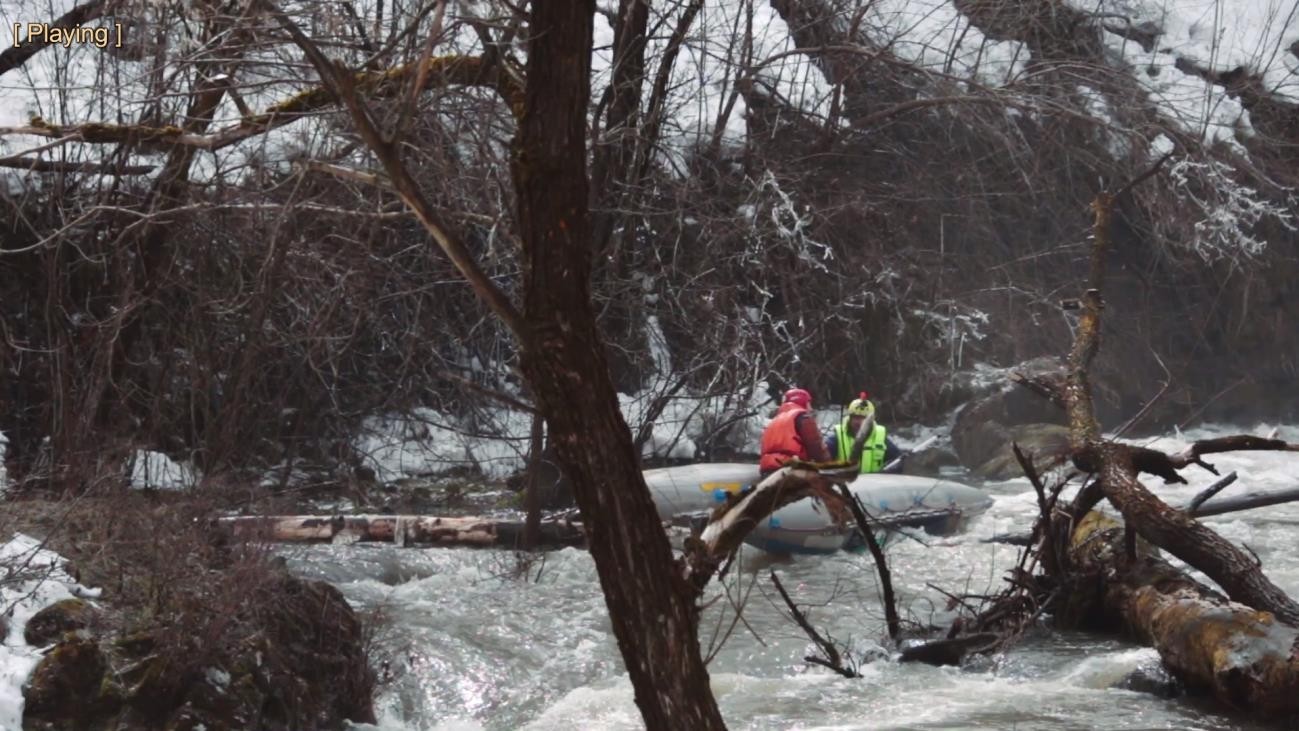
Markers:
939,507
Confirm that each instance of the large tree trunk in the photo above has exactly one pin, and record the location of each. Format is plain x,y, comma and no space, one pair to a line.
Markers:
652,603
1241,656
653,612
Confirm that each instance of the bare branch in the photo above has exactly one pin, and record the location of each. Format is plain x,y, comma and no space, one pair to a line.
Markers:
342,86
731,523
445,70
832,660
881,563
17,55
38,165
1209,492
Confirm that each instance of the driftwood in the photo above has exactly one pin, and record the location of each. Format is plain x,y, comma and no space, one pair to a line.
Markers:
1243,657
1246,502
1209,492
725,530
402,530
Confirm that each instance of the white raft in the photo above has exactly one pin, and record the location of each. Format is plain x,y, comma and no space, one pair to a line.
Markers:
940,507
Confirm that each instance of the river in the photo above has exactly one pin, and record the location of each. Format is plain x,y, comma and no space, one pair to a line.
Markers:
468,646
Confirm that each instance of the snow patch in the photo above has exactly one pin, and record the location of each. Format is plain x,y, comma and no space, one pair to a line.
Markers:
1220,36
935,36
428,442
34,578
157,471
1161,146
218,678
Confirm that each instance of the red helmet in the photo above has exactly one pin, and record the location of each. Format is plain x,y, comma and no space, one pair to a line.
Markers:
798,396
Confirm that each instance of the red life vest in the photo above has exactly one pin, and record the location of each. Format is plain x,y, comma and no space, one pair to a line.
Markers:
780,440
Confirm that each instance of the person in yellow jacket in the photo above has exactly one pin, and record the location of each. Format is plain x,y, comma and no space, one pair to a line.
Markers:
877,451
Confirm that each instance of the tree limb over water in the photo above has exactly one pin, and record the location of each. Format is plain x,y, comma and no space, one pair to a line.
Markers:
1238,648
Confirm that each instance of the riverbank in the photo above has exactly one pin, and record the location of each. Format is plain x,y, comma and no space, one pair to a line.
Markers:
148,617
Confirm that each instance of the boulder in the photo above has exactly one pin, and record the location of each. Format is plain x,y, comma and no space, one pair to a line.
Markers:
976,443
52,622
1039,441
291,656
1152,678
930,462
985,425
69,687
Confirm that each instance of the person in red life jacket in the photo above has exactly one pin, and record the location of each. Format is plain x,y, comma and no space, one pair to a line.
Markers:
793,433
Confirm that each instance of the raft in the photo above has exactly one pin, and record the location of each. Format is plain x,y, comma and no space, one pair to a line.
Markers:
892,502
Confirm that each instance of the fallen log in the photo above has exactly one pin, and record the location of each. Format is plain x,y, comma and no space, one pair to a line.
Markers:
401,530
1117,467
1242,657
718,540
1248,501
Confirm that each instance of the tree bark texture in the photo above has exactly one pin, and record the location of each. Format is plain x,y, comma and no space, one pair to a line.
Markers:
652,609
1239,575
1243,657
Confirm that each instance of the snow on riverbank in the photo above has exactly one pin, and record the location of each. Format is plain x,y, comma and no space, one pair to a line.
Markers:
31,578
494,442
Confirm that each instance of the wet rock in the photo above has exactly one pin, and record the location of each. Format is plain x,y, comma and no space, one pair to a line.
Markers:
292,656
50,623
975,443
930,461
985,425
1152,678
1041,442
69,686
947,651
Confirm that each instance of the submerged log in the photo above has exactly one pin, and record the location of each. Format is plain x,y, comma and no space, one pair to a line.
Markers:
949,651
402,530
